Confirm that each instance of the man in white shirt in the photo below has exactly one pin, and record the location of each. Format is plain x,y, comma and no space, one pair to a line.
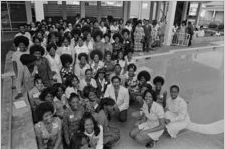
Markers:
120,96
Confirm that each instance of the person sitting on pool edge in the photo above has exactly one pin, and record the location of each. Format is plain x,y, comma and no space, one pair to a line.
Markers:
176,115
120,95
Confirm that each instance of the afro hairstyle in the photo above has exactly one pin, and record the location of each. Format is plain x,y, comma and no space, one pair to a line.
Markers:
158,79
119,36
125,31
83,55
96,52
65,58
133,66
21,39
97,33
43,108
36,48
144,74
27,59
76,31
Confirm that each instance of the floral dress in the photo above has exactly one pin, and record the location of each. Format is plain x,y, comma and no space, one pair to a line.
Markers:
66,72
116,48
138,37
71,122
49,138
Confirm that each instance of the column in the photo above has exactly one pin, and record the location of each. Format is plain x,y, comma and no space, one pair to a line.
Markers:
39,10
98,10
171,12
82,9
125,11
28,11
63,9
184,13
198,13
154,11
151,11
158,10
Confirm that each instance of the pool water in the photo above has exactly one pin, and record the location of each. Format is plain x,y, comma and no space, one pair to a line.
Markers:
199,73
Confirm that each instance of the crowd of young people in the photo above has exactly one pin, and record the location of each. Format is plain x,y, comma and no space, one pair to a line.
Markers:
79,76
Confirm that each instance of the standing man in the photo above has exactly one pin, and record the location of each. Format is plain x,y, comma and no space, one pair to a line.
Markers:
147,30
190,30
120,96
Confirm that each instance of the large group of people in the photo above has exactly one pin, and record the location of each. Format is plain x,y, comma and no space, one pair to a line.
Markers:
79,77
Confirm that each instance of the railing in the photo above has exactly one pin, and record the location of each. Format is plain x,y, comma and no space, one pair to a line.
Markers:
180,39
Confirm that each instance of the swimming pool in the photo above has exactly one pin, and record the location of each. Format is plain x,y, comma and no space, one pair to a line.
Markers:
199,73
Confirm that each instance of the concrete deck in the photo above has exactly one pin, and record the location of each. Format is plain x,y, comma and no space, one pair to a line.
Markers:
199,74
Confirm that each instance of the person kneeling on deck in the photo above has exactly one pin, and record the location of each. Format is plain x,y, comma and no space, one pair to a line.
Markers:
120,96
150,125
176,116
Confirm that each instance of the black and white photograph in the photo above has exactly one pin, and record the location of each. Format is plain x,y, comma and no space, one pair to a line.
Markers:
112,74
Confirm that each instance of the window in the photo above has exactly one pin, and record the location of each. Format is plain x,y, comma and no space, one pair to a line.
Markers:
114,3
193,9
72,2
91,3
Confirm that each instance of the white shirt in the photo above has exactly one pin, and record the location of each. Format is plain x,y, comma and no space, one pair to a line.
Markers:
114,28
55,63
80,72
82,49
95,67
177,107
65,50
122,100
99,138
103,29
128,27
90,45
132,61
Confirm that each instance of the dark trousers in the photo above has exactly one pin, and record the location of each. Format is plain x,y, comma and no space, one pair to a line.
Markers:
122,116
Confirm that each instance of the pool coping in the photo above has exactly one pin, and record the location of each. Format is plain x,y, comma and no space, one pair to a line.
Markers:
146,56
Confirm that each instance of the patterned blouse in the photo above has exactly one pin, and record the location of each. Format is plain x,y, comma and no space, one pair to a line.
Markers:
49,136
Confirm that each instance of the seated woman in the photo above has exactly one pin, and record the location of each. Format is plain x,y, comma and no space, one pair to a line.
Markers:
102,115
79,69
91,98
130,80
176,115
54,61
120,95
143,85
159,92
96,57
79,141
80,48
67,69
122,62
72,86
59,99
109,64
117,45
101,82
42,64
72,117
151,124
48,129
88,80
98,44
66,48
34,94
107,44
90,127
